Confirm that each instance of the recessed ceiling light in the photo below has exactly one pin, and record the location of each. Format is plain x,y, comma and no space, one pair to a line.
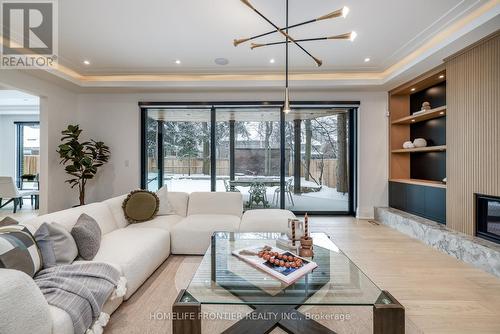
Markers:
272,61
86,62
367,59
441,76
413,89
178,62
221,61
441,113
413,120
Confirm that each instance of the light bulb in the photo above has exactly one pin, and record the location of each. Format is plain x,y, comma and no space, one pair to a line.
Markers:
353,36
345,11
286,107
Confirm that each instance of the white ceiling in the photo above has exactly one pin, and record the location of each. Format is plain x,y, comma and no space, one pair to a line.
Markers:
131,37
13,102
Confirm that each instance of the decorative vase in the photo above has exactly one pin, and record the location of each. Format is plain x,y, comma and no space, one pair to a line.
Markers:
408,144
420,142
426,106
306,245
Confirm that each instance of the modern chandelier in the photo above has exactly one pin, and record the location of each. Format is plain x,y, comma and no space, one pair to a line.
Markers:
343,12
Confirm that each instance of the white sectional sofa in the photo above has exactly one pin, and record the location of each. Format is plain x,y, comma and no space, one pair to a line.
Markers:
136,250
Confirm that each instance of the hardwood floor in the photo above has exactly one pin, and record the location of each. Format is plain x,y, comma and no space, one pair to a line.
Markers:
440,293
25,213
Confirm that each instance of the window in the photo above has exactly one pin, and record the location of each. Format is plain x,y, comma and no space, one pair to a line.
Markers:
253,148
28,155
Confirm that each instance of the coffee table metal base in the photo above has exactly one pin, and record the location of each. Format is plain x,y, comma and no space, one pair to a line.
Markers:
388,318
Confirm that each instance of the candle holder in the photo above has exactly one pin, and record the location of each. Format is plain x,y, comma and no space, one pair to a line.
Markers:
306,247
295,230
306,242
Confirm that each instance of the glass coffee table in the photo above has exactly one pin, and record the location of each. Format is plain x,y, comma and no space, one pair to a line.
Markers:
223,279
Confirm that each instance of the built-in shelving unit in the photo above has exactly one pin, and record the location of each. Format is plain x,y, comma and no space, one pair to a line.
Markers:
426,183
424,116
416,174
439,148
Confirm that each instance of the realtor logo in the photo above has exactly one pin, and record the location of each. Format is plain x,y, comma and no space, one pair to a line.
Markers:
29,34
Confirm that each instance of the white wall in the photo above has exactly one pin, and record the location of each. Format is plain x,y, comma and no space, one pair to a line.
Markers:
8,145
57,109
115,119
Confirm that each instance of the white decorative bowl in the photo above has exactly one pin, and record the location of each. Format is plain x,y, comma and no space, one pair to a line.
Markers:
420,142
408,144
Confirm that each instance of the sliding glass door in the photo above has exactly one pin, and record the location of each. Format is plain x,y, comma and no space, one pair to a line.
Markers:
248,152
303,161
318,148
178,149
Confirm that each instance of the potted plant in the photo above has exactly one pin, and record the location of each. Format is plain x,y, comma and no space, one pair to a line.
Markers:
82,159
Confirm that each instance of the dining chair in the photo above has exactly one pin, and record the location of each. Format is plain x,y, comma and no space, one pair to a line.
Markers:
228,187
8,190
288,192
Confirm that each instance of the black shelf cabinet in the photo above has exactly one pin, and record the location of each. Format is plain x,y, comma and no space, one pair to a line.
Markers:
424,201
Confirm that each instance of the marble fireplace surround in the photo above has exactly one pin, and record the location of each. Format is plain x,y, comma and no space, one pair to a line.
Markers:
478,252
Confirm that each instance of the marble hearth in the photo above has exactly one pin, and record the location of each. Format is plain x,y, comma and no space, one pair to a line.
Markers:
477,252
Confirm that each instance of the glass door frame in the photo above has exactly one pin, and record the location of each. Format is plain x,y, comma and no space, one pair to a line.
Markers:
20,148
352,107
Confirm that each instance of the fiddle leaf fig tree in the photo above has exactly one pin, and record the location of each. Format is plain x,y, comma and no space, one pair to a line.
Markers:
81,159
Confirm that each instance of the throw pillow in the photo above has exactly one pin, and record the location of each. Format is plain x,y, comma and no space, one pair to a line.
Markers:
18,250
165,207
46,246
87,235
65,249
8,221
140,206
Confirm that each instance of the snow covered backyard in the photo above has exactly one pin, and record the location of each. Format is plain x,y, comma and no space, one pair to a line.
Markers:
326,199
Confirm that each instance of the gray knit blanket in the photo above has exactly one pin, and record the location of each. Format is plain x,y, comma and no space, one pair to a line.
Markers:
79,289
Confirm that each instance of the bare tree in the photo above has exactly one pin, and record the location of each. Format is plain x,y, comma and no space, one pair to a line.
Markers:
206,149
307,156
342,182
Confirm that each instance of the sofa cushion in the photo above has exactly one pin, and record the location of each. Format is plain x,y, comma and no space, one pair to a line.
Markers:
87,235
178,202
161,222
192,235
215,203
18,250
65,248
61,321
140,206
165,207
138,252
8,221
23,308
115,206
265,220
68,218
46,246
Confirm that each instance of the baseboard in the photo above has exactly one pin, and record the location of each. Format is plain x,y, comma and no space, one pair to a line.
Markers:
365,213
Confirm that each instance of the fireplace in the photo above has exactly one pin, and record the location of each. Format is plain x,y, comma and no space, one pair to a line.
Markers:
488,217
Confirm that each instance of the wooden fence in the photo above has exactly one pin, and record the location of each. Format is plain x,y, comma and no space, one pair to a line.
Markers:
173,165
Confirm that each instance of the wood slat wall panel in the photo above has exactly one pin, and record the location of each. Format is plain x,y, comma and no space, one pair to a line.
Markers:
473,131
